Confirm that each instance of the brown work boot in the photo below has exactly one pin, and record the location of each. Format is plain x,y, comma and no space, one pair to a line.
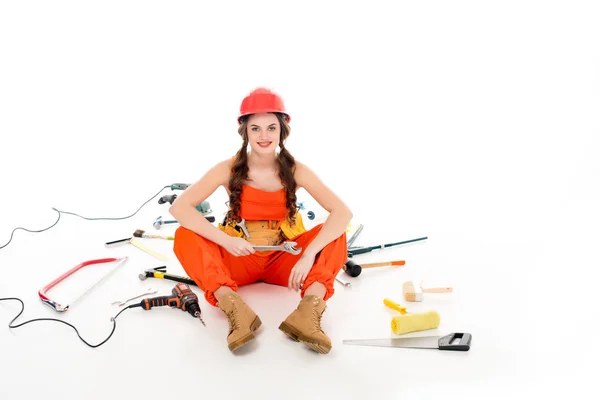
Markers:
242,320
304,324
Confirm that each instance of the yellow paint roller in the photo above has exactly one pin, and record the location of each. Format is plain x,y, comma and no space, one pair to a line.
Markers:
415,322
406,323
414,292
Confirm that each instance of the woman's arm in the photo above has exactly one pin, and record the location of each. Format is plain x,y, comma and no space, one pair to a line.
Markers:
339,214
184,207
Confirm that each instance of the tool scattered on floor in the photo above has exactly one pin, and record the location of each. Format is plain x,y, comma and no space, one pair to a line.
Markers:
134,241
168,198
413,292
409,322
117,242
148,250
310,214
352,251
383,264
183,298
355,235
142,234
161,273
353,269
123,302
346,284
423,321
204,208
159,222
58,307
394,306
63,307
446,342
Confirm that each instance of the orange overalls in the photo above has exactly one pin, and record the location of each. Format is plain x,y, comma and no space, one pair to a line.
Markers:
211,266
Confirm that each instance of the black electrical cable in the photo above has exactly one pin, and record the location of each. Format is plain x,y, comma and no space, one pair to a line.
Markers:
90,219
113,319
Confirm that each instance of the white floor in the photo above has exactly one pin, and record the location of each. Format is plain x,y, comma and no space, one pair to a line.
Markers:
473,125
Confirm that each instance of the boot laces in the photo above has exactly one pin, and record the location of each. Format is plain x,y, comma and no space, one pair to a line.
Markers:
234,322
316,317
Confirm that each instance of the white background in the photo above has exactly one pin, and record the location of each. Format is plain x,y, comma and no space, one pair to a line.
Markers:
472,123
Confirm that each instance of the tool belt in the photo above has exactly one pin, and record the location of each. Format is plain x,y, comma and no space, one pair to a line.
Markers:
265,232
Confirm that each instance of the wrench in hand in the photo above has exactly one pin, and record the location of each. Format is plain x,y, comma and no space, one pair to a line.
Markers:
286,246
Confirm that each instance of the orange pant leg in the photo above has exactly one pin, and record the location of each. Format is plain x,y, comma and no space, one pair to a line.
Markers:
211,266
328,262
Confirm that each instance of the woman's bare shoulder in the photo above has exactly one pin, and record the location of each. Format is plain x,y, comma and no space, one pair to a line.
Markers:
224,168
301,173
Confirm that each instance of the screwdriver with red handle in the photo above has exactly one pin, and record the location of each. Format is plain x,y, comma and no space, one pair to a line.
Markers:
182,298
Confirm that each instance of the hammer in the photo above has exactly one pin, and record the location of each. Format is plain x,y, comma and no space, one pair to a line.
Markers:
353,269
158,222
161,273
412,292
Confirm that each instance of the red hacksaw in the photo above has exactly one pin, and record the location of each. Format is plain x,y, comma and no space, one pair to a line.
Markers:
60,308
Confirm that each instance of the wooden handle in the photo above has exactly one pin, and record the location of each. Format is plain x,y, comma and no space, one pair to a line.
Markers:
383,264
437,290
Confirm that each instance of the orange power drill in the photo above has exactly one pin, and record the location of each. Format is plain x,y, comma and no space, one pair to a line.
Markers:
183,298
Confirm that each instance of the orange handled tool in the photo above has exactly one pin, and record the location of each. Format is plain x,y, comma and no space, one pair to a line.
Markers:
183,298
383,264
353,269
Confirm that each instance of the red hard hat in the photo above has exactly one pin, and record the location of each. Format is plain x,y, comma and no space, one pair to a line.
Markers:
262,100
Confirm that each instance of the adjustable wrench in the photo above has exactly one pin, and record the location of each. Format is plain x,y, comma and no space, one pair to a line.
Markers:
242,224
286,246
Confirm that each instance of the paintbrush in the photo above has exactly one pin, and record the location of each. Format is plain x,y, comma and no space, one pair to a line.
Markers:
142,234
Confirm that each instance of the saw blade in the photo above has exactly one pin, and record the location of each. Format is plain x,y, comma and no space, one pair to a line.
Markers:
446,342
430,342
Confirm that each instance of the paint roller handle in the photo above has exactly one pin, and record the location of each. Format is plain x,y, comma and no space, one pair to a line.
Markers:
394,306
